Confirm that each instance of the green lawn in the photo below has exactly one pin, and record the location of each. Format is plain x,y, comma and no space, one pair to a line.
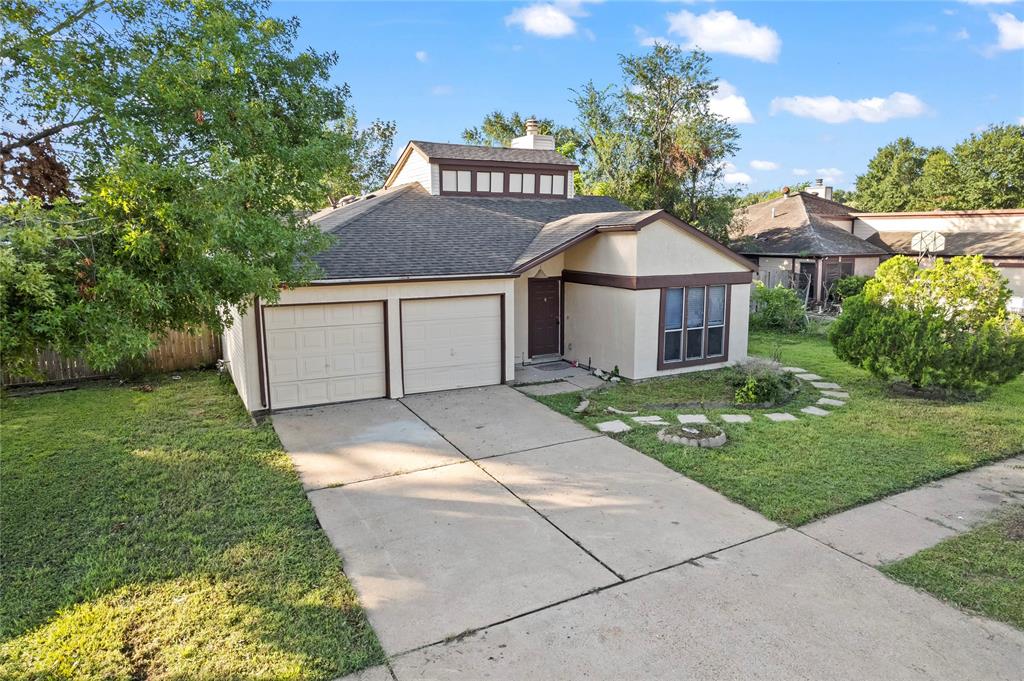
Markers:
161,535
794,472
981,570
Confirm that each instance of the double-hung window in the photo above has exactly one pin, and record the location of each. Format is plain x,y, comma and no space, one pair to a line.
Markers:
694,324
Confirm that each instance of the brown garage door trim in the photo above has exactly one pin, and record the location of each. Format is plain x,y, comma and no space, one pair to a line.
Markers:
265,365
401,327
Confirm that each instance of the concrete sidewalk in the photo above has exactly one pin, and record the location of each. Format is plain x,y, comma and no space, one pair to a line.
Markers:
901,525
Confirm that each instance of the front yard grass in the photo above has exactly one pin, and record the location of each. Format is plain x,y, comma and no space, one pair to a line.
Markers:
981,570
161,535
794,472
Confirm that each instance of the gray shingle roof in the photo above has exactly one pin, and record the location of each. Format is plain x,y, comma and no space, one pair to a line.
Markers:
407,232
798,226
469,152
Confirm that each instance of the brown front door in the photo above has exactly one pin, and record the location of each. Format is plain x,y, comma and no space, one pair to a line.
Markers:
545,314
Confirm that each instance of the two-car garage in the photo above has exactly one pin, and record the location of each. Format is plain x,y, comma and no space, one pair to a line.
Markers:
319,353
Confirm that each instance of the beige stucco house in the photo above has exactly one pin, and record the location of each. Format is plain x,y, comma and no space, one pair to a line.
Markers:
472,260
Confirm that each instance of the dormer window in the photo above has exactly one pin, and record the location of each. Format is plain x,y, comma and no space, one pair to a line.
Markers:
475,181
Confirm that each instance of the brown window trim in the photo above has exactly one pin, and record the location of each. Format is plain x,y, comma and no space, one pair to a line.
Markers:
635,283
684,363
537,171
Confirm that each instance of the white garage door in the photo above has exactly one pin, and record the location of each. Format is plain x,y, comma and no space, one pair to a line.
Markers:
325,353
451,343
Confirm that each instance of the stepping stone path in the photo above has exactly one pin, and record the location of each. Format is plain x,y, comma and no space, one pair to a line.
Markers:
822,385
832,396
615,426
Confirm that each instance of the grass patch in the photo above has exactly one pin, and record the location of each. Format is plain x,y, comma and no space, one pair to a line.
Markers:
162,535
794,472
981,570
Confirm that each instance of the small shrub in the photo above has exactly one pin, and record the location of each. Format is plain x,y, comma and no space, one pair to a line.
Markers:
777,309
760,381
850,286
943,327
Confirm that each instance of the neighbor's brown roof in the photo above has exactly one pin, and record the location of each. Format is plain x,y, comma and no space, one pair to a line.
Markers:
997,244
799,227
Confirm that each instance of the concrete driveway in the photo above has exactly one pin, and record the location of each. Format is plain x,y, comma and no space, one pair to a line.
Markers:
490,537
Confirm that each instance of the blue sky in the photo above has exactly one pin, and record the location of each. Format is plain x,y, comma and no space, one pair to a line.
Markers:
814,87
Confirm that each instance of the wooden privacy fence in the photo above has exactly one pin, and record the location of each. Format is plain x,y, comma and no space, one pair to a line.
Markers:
177,352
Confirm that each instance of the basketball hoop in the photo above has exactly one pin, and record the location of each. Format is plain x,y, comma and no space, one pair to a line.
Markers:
926,243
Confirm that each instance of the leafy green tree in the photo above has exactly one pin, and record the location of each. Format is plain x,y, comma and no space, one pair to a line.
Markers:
194,136
986,170
892,180
367,166
845,197
946,326
767,195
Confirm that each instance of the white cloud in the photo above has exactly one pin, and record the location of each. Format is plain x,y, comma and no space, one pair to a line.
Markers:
1020,121
949,12
1011,31
723,31
548,19
422,56
764,165
831,109
736,178
442,90
730,103
962,34
832,175
800,171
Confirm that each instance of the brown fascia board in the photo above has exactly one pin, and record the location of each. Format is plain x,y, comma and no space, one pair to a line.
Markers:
988,212
504,165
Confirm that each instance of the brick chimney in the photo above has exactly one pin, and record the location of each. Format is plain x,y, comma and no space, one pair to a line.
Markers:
532,139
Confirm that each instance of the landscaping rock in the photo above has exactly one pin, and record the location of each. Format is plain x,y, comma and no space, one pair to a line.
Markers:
707,442
650,420
613,427
613,410
820,385
794,370
736,418
780,417
828,401
615,379
692,418
809,377
582,406
839,394
815,411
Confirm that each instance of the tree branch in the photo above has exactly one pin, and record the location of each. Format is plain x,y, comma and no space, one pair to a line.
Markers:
47,132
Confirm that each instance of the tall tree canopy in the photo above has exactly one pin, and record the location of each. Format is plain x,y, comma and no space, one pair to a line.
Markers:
650,141
157,156
986,170
499,129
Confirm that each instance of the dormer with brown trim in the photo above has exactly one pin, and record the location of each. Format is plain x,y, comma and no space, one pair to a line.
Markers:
531,168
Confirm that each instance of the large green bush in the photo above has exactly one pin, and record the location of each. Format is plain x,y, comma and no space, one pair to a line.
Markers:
945,326
777,309
850,286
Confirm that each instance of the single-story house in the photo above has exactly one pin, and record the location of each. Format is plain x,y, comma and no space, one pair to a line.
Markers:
804,240
808,240
474,259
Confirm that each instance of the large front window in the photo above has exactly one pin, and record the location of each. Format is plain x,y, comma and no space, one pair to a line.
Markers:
694,324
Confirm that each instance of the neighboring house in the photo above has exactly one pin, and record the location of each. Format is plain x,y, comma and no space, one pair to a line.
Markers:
472,260
806,238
